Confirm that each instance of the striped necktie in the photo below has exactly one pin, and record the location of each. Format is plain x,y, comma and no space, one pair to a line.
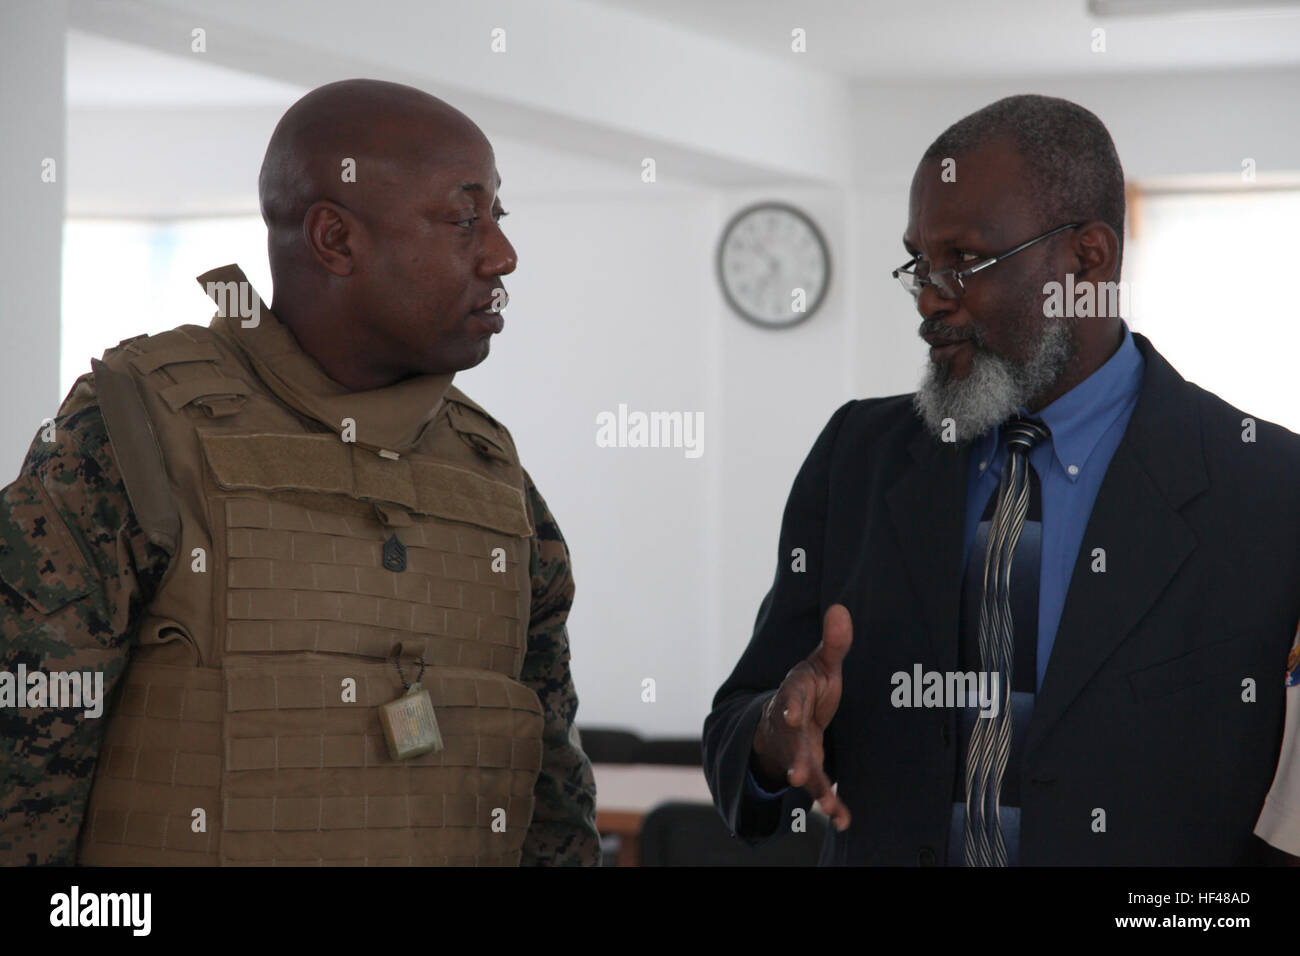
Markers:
990,740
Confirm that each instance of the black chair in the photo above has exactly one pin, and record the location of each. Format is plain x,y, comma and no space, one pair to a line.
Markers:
609,746
605,745
693,834
673,752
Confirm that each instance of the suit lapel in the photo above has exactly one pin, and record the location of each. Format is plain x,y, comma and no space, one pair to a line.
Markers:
1157,467
928,509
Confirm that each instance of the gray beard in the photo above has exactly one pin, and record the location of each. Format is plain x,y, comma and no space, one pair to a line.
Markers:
995,387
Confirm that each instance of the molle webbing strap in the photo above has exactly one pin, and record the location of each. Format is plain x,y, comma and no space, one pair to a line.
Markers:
308,778
323,464
193,369
174,354
159,763
140,460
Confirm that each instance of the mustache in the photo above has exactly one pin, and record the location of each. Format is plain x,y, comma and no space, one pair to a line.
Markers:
949,334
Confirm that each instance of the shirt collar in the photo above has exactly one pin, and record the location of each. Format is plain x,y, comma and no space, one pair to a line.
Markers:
1080,417
388,421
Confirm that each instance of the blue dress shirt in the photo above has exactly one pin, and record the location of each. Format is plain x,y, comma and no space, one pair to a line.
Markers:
1087,424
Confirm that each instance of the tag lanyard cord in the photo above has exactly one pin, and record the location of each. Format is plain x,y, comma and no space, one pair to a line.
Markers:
397,659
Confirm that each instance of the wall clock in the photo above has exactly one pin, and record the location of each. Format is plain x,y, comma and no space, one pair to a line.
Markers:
773,265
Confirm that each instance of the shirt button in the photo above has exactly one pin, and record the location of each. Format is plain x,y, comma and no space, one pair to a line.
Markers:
983,465
925,857
1073,469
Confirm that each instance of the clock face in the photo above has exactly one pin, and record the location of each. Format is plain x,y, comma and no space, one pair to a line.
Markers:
773,265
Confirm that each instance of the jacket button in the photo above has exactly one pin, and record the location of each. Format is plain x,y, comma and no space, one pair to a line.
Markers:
926,856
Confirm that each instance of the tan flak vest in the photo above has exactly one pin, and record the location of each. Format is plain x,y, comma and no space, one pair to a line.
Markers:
247,729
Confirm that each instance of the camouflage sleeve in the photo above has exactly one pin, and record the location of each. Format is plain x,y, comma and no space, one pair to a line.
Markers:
563,831
75,571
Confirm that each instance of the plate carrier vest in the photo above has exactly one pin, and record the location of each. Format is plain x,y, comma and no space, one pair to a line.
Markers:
246,729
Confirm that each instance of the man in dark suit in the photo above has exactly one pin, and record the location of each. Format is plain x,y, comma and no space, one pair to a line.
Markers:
1037,612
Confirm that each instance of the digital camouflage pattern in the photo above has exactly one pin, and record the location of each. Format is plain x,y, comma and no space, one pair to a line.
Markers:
77,573
563,830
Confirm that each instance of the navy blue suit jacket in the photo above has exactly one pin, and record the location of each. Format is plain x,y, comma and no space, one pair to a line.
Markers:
1141,711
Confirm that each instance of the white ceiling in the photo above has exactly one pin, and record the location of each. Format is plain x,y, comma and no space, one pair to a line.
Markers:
905,39
109,73
154,134
865,39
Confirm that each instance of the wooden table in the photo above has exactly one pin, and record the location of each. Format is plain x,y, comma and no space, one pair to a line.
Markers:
625,793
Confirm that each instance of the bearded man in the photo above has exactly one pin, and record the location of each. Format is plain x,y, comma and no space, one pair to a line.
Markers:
1045,602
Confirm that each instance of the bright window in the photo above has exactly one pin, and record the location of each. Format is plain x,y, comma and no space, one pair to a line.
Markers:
123,277
1212,292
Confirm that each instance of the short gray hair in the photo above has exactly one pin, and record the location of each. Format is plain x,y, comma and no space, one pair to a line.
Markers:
1068,151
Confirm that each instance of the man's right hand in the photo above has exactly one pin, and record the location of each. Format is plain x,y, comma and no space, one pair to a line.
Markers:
788,741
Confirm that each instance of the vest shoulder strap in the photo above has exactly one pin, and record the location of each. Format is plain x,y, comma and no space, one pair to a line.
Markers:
151,375
138,456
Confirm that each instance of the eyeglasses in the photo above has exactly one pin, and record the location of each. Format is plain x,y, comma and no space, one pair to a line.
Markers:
948,283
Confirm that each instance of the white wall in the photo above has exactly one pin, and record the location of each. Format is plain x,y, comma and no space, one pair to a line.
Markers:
613,303
778,390
31,118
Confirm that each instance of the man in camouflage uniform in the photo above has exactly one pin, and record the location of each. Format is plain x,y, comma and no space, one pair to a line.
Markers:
381,276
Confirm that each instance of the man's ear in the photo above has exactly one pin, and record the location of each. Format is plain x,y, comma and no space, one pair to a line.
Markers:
1097,248
330,231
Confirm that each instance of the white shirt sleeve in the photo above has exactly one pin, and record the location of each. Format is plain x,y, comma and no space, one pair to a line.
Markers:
1279,822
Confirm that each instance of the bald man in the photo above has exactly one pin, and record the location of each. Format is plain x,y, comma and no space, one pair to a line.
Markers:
273,590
